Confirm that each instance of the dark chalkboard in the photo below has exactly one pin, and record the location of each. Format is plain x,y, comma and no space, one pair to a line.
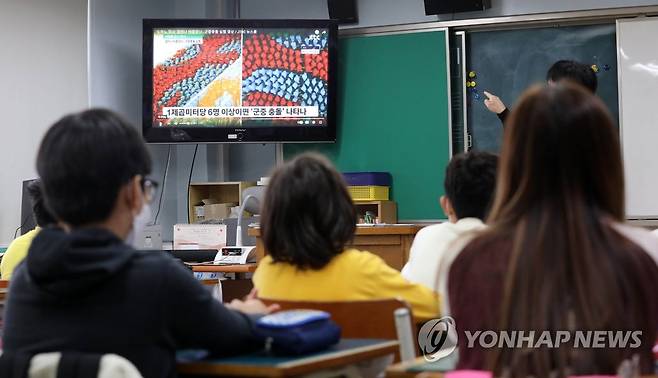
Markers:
507,62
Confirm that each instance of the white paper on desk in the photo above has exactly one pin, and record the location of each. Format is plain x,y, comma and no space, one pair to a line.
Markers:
187,246
199,236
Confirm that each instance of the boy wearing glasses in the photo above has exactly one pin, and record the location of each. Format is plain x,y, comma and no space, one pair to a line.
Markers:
82,288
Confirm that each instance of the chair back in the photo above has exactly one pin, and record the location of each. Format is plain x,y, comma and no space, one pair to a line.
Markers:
364,319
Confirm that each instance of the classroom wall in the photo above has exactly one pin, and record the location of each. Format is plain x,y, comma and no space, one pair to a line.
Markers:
115,62
43,72
116,82
390,12
386,12
115,76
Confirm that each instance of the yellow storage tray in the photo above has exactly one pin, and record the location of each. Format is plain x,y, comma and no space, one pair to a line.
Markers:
369,193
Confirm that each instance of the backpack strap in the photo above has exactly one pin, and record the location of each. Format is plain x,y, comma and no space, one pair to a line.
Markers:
78,365
14,365
89,365
68,364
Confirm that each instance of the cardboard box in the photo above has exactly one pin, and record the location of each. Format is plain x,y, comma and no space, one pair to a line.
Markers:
219,192
210,209
218,211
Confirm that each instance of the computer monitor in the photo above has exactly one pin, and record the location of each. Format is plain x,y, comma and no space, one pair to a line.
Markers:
28,222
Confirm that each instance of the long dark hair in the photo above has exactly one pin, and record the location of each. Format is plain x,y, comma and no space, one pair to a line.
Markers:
560,188
308,215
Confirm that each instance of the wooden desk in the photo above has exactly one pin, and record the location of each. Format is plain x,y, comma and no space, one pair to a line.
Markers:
411,369
390,242
211,268
347,352
231,289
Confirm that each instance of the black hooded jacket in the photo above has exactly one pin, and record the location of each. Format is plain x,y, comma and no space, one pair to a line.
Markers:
87,291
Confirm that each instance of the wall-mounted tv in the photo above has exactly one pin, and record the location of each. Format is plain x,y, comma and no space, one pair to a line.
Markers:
239,81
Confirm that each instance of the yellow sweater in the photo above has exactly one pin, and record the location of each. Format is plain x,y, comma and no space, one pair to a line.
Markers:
351,275
15,253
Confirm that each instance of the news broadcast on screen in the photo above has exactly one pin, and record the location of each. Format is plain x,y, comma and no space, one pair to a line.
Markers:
239,77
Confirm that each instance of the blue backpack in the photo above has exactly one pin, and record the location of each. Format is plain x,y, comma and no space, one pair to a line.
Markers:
296,332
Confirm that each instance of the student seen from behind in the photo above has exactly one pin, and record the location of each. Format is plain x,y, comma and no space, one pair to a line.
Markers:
307,220
83,289
470,180
557,255
18,248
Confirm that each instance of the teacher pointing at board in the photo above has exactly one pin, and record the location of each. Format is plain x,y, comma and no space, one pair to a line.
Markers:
580,73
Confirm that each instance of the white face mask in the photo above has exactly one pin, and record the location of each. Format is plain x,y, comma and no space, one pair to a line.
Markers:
139,224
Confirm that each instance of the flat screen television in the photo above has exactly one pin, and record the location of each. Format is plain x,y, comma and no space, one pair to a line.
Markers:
239,81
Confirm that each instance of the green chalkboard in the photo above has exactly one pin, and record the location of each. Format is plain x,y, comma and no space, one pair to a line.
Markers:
507,62
393,116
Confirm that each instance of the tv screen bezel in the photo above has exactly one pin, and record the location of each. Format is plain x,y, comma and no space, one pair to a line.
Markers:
268,134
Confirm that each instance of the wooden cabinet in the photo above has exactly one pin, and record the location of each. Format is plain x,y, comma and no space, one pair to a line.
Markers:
390,242
385,211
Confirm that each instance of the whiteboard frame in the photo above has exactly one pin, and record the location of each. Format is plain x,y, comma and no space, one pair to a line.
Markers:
462,53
